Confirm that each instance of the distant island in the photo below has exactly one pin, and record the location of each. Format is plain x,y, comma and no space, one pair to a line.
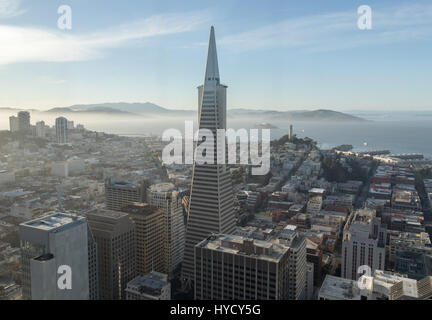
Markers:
264,125
149,109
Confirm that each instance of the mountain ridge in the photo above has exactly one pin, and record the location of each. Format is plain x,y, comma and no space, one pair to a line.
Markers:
151,109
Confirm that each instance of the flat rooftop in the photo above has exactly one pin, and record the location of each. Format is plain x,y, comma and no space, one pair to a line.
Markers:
53,222
340,288
151,283
162,187
235,244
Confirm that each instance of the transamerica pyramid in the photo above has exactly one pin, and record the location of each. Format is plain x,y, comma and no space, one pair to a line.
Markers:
211,199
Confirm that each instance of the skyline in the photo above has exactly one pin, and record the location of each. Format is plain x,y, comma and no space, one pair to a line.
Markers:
303,57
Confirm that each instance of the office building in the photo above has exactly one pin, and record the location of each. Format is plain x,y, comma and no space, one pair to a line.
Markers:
47,245
166,197
363,243
120,193
231,267
211,208
61,130
151,237
152,286
114,233
24,122
40,129
13,124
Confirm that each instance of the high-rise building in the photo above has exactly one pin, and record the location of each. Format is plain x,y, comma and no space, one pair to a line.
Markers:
24,121
152,286
169,199
363,243
114,233
49,246
61,130
211,208
151,237
231,267
40,129
120,193
13,124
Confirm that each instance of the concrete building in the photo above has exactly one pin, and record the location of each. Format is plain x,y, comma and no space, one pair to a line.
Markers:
40,129
382,285
211,208
166,197
61,130
48,244
151,237
114,233
363,243
230,267
315,202
24,122
13,124
120,193
152,286
411,242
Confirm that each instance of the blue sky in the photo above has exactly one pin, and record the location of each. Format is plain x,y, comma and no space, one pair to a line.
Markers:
272,54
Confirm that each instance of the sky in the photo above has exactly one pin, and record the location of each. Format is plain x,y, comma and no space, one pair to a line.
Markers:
275,54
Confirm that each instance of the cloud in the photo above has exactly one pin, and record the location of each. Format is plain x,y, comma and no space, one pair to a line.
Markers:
10,8
25,44
339,30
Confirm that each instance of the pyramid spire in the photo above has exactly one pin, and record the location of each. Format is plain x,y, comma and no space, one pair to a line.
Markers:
212,69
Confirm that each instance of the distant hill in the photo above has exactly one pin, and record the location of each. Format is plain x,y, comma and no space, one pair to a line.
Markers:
151,109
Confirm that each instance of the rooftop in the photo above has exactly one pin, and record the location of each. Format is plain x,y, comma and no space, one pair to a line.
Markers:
162,187
340,288
53,222
265,250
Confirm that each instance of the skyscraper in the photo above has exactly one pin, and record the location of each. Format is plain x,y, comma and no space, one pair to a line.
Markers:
61,130
13,124
150,230
167,197
24,121
47,244
211,200
114,233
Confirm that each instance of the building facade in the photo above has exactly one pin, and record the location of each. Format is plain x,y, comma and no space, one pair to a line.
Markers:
363,243
61,130
120,193
166,197
230,267
114,233
151,237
